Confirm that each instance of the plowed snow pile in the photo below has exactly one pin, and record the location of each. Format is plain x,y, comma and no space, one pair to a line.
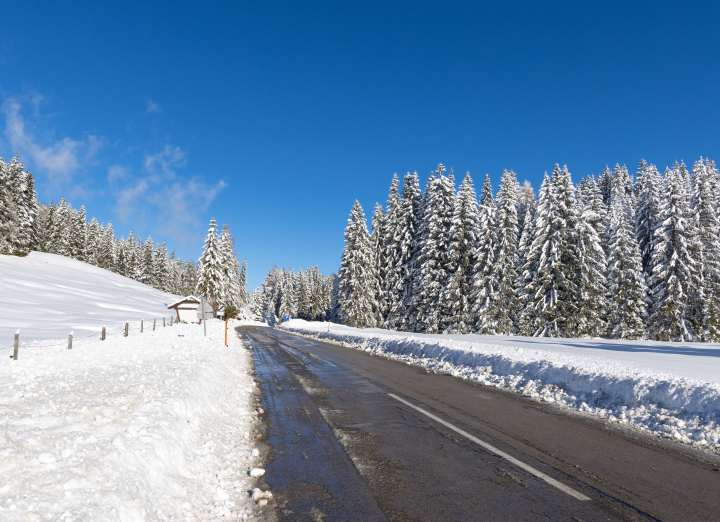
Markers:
671,390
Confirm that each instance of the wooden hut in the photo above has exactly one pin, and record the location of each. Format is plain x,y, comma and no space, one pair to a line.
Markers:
186,309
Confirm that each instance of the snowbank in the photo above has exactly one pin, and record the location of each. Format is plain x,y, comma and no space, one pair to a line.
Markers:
155,426
619,381
47,296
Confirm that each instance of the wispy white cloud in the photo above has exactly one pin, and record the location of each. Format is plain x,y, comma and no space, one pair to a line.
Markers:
61,158
117,173
175,202
152,107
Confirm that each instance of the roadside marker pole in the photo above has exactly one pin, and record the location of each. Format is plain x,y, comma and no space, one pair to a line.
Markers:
103,334
154,321
226,320
15,346
70,341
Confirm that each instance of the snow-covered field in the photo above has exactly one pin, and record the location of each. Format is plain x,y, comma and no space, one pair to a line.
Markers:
671,390
154,426
47,296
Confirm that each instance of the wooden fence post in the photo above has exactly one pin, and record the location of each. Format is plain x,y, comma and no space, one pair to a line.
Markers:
163,322
171,320
141,325
16,345
103,334
154,321
70,341
126,329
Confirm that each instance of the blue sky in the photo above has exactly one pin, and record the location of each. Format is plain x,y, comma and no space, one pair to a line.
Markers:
276,116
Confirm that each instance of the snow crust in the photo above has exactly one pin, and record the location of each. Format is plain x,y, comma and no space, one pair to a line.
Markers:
671,390
46,296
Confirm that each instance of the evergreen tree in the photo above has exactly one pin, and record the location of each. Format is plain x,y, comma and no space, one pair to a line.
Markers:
674,268
605,183
461,260
647,217
402,311
434,243
483,283
499,315
210,277
554,294
390,257
626,286
707,223
378,250
593,262
358,280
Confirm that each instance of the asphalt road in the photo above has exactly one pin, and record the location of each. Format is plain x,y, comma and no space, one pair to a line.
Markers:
356,437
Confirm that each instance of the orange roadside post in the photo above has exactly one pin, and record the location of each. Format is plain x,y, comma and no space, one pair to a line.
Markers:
226,320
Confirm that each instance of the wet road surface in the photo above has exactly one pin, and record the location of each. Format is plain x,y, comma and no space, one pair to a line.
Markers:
357,437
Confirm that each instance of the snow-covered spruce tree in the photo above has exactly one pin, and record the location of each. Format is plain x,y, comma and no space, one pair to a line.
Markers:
554,294
389,267
707,222
434,250
106,246
647,216
358,280
210,276
20,189
461,260
674,269
378,250
244,294
627,310
483,285
161,268
593,262
230,270
499,316
9,221
147,262
622,183
402,311
529,249
526,200
303,301
605,182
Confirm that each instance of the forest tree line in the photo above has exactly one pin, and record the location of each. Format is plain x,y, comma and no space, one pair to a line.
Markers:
621,256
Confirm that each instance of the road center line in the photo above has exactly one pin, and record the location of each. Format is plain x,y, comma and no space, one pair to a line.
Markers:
492,449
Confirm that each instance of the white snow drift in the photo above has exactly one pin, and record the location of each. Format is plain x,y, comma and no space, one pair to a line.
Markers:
668,389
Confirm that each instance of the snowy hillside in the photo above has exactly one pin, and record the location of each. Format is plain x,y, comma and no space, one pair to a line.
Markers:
668,389
47,296
153,426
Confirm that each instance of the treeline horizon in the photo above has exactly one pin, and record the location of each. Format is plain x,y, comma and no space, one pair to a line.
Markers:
618,257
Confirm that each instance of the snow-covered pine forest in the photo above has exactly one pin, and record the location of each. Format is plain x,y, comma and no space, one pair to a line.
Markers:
26,224
611,257
309,295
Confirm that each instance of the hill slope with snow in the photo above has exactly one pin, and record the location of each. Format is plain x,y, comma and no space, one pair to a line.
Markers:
47,296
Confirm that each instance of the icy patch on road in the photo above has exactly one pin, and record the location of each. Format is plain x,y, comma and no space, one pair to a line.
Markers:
626,392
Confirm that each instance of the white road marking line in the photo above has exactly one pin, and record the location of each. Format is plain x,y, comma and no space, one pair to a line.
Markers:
492,449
